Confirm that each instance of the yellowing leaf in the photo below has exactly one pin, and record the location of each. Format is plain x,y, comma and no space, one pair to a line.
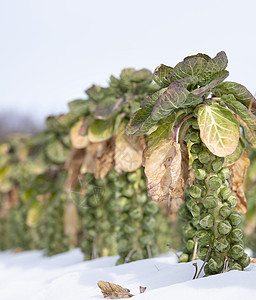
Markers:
79,138
33,214
113,291
219,129
163,169
236,180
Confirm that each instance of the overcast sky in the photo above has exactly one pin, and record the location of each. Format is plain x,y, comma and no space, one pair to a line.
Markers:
52,50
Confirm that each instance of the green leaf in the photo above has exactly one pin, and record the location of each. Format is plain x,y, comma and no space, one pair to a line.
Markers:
160,75
150,101
189,67
175,96
238,90
141,75
140,123
205,56
219,129
108,107
57,152
216,64
102,130
78,104
246,118
222,75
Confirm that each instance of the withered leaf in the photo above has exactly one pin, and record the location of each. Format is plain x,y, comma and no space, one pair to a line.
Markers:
113,291
79,134
236,180
74,164
142,289
71,222
163,168
128,151
253,260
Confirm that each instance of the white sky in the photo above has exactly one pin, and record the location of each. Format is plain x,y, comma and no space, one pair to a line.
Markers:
52,50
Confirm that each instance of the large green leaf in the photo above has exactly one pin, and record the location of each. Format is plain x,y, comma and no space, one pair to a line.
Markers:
102,130
175,96
205,56
160,75
107,107
140,123
219,129
214,65
247,119
222,75
150,101
238,90
189,67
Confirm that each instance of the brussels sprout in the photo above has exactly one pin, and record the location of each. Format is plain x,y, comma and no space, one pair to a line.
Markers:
184,213
216,165
190,203
120,261
195,191
236,235
221,244
202,252
195,137
132,177
189,231
225,184
138,255
195,149
105,225
224,211
224,173
151,207
203,237
129,229
190,245
124,204
142,184
235,218
99,212
200,174
195,210
244,261
204,157
91,233
210,202
128,191
123,218
235,266
236,252
184,257
224,227
123,246
215,264
196,164
194,123
141,198
207,221
225,193
231,201
208,271
146,239
149,223
195,222
136,213
214,183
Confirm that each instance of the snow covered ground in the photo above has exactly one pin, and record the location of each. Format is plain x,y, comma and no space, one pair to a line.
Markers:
30,276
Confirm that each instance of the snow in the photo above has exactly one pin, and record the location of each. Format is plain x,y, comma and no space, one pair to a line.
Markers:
31,276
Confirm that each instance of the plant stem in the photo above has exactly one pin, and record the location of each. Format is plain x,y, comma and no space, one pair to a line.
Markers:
177,130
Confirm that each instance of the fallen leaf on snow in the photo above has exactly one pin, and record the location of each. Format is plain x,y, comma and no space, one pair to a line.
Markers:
113,291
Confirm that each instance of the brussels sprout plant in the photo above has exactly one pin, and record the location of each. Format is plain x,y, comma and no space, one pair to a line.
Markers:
197,125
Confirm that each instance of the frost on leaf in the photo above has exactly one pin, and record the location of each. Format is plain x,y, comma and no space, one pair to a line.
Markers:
113,291
166,171
219,129
236,180
128,151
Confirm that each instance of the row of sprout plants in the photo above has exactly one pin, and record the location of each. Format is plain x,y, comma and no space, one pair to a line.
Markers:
133,164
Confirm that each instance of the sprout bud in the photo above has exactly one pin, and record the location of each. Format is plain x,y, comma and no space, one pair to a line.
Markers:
231,201
208,271
236,252
217,165
204,157
194,123
225,193
203,237
200,174
151,207
195,222
145,239
190,245
236,235
210,202
128,191
215,264
195,149
195,137
129,229
244,261
184,213
224,211
224,173
195,211
235,218
149,223
196,164
225,183
190,203
221,244
214,183
207,221
136,213
235,266
184,257
224,227
202,252
125,204
132,177
195,191
189,231
141,198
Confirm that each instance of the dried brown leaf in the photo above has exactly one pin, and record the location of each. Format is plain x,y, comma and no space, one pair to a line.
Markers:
71,222
142,289
113,291
253,260
236,180
128,151
163,168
